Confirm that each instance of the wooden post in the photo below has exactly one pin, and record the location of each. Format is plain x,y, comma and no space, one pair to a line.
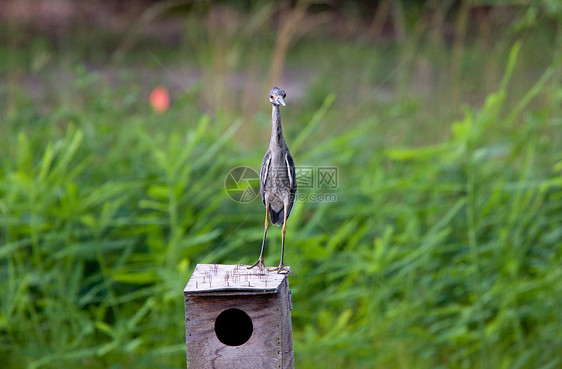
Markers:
238,318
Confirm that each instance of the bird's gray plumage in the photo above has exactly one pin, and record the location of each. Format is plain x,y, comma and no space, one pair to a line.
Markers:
286,177
278,183
277,175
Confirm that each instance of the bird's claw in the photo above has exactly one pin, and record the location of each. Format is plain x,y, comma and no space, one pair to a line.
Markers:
260,265
282,270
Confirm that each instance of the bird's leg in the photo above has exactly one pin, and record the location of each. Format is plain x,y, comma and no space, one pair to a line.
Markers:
260,263
281,269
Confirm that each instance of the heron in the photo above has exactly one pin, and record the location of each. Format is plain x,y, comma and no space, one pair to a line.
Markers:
278,184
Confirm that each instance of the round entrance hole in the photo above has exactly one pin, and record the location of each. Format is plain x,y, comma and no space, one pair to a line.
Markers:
233,327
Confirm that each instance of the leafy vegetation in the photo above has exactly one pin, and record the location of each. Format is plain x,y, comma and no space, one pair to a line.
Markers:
443,249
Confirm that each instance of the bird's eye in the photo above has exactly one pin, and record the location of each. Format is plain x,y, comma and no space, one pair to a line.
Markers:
284,95
271,97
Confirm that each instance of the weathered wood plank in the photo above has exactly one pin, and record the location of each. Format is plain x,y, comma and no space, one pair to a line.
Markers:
229,278
260,351
287,359
270,344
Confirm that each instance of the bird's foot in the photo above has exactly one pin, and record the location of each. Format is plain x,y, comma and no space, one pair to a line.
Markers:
260,265
281,269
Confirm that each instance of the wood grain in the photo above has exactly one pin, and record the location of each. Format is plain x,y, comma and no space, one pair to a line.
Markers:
269,346
224,278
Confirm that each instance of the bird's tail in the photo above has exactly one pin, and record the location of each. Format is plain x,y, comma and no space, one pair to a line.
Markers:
276,217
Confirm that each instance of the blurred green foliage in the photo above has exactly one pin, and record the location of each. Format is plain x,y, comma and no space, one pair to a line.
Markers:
443,249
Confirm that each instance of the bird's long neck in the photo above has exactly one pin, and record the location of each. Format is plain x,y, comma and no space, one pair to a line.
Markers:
276,130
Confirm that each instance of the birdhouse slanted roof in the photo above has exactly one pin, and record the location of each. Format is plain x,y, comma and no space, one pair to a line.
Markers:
220,279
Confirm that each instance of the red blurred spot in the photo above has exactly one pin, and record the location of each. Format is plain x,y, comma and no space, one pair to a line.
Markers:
159,99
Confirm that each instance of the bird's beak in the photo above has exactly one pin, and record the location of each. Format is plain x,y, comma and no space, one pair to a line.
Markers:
280,100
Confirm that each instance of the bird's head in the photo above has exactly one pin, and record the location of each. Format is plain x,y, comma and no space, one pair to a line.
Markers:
277,96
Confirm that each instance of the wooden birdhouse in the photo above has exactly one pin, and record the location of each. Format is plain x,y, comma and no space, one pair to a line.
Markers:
238,318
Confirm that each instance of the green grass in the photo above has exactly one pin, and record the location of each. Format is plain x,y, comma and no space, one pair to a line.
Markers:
443,249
